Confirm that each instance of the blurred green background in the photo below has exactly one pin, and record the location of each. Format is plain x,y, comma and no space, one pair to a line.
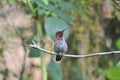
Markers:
94,26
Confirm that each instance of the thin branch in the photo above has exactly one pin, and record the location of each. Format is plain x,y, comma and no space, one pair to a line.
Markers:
35,45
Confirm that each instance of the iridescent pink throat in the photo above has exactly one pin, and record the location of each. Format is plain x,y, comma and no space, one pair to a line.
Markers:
59,37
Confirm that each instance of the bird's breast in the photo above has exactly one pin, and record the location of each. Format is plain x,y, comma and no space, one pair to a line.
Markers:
60,46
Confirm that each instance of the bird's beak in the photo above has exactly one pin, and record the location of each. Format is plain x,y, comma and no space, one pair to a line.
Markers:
64,29
61,33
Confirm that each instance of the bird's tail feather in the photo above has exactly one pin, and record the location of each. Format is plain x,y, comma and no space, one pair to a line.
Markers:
58,57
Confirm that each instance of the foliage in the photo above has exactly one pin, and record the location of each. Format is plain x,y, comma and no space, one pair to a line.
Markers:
11,1
55,70
34,52
52,25
95,28
54,8
113,73
1,72
55,19
118,64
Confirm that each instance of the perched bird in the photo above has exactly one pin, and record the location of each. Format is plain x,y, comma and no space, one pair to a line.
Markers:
60,46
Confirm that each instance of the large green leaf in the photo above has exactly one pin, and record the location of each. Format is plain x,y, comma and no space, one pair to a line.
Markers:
55,70
114,73
41,4
67,6
64,16
34,53
52,25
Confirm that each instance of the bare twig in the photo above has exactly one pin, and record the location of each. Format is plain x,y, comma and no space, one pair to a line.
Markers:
35,45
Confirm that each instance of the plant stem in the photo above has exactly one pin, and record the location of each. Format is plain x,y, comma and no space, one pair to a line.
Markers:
40,33
44,77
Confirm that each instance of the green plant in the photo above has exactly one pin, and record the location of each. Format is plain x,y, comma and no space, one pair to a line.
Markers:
53,14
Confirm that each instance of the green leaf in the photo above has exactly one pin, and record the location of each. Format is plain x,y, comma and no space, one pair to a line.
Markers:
41,11
64,16
45,2
52,25
55,70
54,1
118,43
11,1
30,5
34,53
41,4
67,6
118,64
114,73
2,72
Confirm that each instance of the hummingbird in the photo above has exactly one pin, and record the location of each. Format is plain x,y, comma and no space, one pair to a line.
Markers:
60,46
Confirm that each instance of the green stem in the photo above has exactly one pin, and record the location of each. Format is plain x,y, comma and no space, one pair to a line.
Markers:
43,65
44,77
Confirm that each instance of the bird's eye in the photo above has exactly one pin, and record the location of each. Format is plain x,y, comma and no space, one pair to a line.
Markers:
57,33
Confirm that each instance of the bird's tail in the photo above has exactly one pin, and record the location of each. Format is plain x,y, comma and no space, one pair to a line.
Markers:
58,57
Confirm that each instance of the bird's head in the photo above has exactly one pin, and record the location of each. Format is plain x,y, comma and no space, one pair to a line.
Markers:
60,34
